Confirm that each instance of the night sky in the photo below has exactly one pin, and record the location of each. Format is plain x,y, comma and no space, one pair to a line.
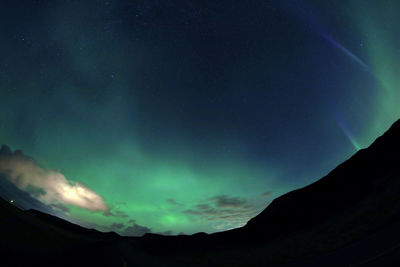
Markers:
184,116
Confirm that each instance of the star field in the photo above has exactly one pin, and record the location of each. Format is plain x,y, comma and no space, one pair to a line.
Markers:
181,116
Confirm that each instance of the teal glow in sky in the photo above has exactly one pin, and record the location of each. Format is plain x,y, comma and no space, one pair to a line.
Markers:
144,116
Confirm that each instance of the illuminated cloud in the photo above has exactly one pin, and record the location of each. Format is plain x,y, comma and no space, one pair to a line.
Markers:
49,186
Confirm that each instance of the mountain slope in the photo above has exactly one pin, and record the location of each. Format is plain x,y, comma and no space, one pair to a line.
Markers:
358,199
350,216
369,170
34,238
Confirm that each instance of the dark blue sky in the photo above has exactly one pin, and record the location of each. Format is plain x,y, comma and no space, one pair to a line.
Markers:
188,116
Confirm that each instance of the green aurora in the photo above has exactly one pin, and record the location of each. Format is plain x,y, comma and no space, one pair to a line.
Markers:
171,130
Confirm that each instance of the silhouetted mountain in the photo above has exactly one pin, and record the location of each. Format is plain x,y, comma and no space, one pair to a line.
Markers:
34,238
350,216
65,225
357,200
369,170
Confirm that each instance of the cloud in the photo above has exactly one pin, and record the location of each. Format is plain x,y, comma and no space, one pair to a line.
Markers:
49,186
168,232
115,213
226,211
135,229
224,201
193,212
174,202
203,206
26,201
116,226
59,207
21,199
266,194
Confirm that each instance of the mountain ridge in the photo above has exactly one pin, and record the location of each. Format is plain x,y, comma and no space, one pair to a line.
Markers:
338,212
359,175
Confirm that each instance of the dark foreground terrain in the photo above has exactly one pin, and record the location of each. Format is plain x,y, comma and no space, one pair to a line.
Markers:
351,217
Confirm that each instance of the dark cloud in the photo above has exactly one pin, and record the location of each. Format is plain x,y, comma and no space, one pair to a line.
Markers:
131,228
108,213
169,232
192,211
116,226
120,214
135,229
5,151
115,213
174,202
203,206
89,225
224,201
59,207
228,210
266,194
214,212
35,191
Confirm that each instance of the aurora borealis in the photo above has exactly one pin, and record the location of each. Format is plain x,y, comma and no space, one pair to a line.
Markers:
188,116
